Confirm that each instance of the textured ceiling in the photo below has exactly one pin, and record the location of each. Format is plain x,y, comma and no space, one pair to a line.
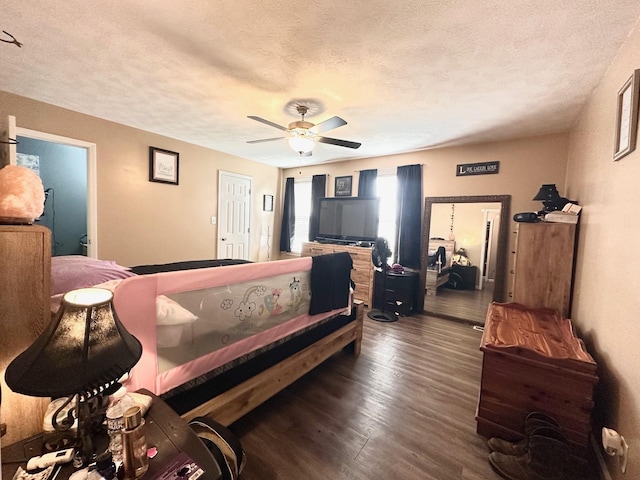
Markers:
406,74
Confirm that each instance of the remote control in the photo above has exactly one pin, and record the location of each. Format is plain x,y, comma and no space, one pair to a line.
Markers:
53,458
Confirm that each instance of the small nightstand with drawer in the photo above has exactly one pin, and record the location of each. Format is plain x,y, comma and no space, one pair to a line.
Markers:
397,292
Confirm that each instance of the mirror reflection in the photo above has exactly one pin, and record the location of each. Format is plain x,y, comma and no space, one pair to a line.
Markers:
464,256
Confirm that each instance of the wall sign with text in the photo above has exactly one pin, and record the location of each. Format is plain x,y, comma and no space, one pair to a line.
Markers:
485,168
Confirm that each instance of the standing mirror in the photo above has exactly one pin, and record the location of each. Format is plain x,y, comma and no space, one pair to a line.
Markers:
464,255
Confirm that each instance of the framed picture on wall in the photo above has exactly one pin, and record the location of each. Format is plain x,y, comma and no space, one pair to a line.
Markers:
267,203
627,117
343,186
163,166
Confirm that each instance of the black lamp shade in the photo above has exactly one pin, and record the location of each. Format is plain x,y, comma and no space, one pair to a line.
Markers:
547,192
84,349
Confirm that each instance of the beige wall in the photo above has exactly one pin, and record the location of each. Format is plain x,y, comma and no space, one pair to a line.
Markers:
525,164
606,302
143,222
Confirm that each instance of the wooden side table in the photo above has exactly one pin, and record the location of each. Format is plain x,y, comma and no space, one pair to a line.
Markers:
164,429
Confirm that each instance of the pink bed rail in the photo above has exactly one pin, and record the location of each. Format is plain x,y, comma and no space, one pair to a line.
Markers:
135,305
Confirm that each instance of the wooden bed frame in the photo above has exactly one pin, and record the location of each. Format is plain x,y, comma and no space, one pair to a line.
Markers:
231,405
435,280
136,300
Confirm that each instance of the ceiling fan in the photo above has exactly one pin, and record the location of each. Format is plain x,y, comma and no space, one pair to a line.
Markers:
303,135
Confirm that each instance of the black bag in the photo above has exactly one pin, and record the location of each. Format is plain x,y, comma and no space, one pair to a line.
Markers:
223,445
455,281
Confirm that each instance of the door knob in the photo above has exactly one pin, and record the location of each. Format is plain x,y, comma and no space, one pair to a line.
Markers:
224,239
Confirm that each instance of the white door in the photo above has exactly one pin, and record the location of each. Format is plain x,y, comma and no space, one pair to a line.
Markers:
234,214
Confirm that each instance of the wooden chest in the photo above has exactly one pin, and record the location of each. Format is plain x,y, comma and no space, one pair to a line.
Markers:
533,362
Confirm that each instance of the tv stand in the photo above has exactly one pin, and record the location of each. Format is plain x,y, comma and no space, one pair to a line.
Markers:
362,273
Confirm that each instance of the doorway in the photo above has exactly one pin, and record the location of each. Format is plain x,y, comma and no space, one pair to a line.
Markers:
491,223
63,171
89,243
468,303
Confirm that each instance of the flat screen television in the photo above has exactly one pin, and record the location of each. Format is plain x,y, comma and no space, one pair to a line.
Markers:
348,219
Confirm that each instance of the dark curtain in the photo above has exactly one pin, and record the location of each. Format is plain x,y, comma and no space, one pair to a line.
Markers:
318,190
367,183
409,221
288,217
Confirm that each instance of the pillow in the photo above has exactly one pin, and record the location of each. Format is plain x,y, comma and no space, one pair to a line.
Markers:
170,312
69,272
171,320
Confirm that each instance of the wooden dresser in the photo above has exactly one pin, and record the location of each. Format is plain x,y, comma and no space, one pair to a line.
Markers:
533,362
25,285
543,265
362,273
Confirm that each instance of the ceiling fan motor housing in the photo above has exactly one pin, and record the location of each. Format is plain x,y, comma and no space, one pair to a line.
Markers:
302,124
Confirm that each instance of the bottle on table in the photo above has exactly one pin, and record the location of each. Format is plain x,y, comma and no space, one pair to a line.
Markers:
134,444
120,402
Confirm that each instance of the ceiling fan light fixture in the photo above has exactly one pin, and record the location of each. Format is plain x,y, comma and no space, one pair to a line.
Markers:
301,142
303,136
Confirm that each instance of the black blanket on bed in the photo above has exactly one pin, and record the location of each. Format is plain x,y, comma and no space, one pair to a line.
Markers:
172,267
330,280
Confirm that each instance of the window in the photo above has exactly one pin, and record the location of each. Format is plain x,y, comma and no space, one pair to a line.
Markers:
302,193
387,189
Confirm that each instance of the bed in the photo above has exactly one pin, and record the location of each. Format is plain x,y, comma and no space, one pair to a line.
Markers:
438,270
218,341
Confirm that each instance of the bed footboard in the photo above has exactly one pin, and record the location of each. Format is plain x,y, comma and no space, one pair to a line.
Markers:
229,406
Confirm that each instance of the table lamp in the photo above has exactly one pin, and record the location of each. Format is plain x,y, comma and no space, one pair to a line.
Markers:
80,355
550,198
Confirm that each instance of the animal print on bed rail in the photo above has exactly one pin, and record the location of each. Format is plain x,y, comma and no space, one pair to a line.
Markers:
230,313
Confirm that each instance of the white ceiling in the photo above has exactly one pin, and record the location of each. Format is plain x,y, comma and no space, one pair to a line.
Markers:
406,74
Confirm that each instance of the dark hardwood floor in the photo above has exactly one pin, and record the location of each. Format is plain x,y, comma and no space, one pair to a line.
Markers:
404,409
470,305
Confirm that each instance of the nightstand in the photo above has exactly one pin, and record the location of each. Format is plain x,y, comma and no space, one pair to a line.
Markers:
468,276
164,429
399,291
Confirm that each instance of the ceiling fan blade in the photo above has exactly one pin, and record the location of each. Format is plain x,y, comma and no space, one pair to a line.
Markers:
267,122
328,124
265,140
340,143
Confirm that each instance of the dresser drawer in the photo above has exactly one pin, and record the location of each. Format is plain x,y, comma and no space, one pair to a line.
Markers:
310,250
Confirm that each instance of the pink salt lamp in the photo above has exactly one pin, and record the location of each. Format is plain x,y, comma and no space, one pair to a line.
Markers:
21,195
